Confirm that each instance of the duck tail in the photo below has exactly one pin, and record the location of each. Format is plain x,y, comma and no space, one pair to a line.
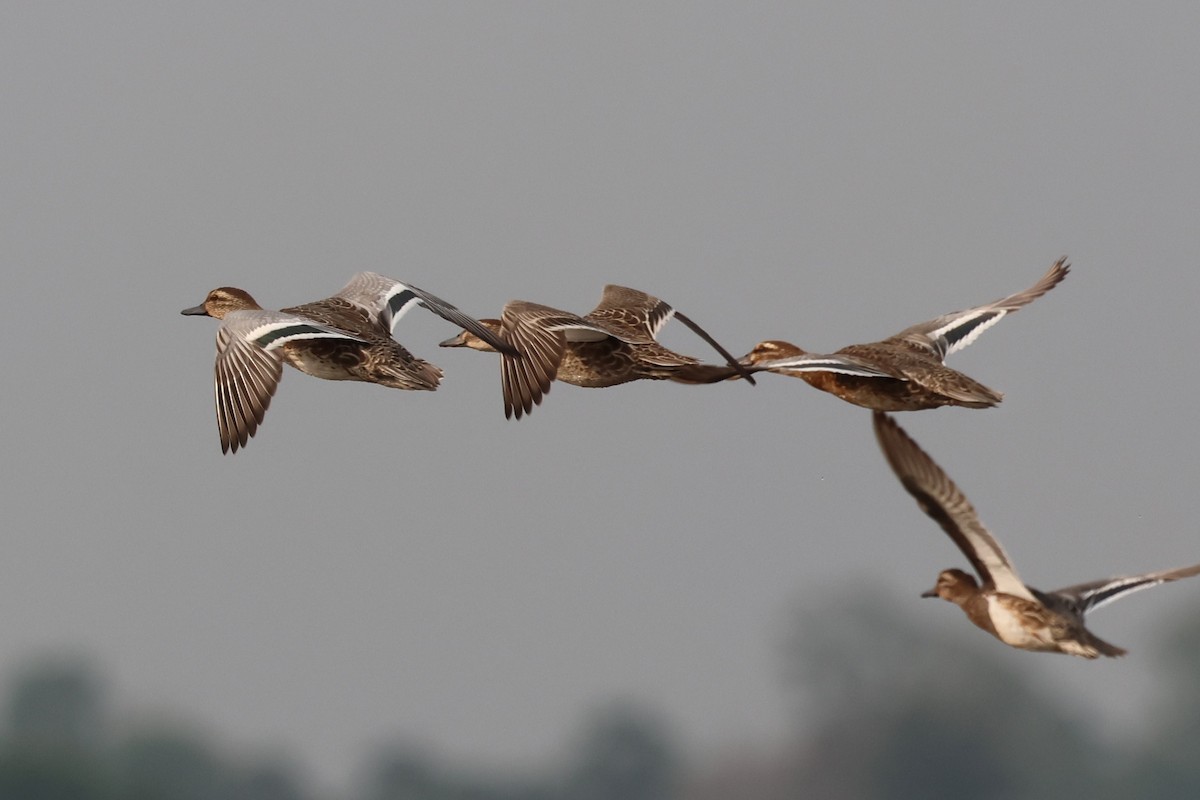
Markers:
1104,648
414,375
971,393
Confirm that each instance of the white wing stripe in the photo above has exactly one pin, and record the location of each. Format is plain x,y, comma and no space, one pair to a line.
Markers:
965,330
396,304
1118,588
276,334
656,323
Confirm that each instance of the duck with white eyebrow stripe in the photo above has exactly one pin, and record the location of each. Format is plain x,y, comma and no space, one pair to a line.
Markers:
346,337
907,371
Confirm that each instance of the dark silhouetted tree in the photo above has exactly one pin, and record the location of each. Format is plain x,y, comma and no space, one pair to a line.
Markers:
398,773
625,754
57,702
54,736
1168,763
263,781
168,763
892,711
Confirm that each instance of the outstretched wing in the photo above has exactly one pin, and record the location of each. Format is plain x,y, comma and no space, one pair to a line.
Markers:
248,368
1095,594
952,332
538,335
636,317
943,501
388,300
631,315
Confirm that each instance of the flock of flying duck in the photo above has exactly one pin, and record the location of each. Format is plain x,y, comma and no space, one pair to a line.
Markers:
349,337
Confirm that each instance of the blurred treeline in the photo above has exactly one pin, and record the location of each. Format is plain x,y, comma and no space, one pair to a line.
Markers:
883,709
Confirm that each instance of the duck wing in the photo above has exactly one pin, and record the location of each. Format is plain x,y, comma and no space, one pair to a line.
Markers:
1094,594
944,502
387,300
636,318
952,332
538,336
248,368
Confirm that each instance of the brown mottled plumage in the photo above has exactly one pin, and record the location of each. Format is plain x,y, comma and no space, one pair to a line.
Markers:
347,337
1016,614
905,372
613,344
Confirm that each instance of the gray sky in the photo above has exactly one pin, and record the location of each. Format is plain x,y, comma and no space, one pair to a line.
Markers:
379,563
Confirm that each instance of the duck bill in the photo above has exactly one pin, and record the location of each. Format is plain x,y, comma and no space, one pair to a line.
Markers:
453,341
195,311
931,593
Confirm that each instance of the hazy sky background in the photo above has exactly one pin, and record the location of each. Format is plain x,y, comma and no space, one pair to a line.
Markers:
379,563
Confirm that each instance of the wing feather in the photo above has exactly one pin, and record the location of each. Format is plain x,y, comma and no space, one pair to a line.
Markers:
952,332
1095,594
388,300
246,377
537,334
945,503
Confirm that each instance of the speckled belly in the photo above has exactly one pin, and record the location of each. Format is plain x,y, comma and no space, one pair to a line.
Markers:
333,361
1011,630
387,364
596,365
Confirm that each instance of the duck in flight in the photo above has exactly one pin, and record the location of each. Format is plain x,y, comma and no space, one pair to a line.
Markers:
1016,614
614,343
905,372
346,337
